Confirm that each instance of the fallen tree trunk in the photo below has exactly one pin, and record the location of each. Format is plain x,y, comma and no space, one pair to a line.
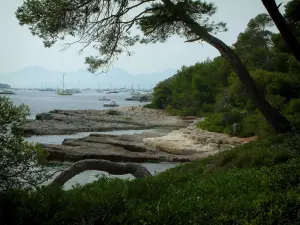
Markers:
115,168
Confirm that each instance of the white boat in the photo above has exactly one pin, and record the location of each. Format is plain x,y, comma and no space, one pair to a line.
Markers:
111,104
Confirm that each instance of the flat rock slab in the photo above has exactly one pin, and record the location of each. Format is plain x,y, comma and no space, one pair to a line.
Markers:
119,148
181,145
193,141
61,122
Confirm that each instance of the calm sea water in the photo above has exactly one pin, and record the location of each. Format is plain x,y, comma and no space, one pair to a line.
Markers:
44,101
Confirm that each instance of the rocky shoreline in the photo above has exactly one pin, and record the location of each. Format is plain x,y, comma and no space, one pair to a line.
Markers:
194,142
59,122
185,143
117,148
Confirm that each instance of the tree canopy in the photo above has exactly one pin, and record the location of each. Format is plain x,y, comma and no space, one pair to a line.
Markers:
108,26
211,88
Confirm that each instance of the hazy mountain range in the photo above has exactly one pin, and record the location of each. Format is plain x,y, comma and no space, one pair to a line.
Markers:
38,77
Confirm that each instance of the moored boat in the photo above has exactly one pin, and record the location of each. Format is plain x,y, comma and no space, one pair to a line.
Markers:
63,91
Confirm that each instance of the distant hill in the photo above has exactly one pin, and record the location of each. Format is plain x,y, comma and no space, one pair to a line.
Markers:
4,85
38,77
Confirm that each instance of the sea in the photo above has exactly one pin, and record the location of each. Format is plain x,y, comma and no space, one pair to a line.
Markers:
45,101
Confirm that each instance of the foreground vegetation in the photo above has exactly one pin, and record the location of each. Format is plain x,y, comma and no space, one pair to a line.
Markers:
257,183
21,163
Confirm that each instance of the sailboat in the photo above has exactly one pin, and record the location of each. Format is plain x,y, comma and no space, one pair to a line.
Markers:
98,89
63,91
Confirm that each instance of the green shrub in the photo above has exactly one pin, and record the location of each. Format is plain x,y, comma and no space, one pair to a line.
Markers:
229,118
277,101
149,106
294,106
113,112
255,124
222,122
17,157
249,124
295,119
212,123
256,183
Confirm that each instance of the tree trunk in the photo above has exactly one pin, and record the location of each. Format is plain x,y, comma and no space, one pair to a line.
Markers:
279,123
136,170
281,24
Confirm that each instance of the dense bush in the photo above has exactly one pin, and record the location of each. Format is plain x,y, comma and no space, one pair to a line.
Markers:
257,183
17,157
222,122
193,91
210,89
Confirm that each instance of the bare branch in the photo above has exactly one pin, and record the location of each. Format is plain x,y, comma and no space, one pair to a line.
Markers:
115,168
192,40
279,5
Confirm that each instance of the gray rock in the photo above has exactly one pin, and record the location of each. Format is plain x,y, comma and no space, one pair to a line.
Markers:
118,148
72,121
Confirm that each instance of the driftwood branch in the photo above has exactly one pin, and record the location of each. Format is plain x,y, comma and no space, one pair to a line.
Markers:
115,168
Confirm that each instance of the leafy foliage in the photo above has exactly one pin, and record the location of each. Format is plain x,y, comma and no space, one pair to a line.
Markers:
292,15
257,183
106,25
210,89
192,90
19,160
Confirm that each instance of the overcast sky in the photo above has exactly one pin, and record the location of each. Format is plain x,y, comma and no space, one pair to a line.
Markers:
19,49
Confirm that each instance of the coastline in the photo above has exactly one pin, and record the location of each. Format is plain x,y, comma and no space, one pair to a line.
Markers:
184,143
59,122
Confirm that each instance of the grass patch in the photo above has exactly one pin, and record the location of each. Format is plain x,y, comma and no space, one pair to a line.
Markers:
257,183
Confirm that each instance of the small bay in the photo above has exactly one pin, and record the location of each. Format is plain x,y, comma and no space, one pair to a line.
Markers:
41,101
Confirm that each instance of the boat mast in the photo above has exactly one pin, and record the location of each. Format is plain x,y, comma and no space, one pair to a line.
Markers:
63,81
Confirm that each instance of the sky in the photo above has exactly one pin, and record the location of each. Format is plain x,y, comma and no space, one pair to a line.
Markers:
19,49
